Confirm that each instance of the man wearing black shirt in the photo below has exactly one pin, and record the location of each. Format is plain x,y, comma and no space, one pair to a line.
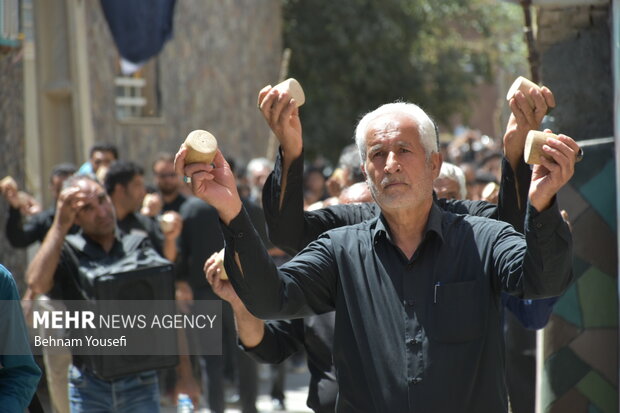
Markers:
416,290
55,270
167,182
194,245
124,183
22,234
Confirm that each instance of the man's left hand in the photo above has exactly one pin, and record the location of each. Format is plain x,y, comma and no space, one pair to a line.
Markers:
556,169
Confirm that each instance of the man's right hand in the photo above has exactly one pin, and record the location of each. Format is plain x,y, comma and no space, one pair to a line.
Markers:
9,189
523,119
68,204
215,184
282,115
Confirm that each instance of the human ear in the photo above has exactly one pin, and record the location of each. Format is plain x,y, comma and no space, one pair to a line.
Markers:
436,161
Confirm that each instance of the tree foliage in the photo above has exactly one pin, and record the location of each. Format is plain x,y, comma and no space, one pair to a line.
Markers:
353,55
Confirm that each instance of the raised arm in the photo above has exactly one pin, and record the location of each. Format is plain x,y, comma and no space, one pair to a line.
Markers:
267,292
40,273
282,116
546,266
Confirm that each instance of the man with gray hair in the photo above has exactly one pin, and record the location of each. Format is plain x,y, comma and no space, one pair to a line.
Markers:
450,183
416,290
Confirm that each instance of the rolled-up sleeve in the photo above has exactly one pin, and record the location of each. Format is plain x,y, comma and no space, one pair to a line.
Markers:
303,286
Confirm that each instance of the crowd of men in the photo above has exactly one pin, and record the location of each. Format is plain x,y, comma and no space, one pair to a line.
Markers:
393,274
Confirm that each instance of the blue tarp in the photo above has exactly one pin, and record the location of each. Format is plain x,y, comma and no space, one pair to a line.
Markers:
139,27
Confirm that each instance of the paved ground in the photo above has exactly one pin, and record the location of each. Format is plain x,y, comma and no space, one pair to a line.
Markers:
296,394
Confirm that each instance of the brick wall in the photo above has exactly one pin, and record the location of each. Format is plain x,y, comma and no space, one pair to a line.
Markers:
575,46
220,55
11,148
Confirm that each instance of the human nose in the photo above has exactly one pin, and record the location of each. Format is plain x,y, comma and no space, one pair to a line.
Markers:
391,163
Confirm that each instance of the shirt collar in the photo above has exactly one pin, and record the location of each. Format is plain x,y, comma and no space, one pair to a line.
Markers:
86,245
432,225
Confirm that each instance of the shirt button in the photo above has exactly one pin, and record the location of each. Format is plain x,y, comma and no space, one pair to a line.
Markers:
240,235
414,380
412,341
539,225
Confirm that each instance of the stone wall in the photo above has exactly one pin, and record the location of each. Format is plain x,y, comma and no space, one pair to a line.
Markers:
580,348
221,54
575,48
11,148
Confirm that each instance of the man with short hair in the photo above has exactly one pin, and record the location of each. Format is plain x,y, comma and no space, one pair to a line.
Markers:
124,182
450,184
55,270
416,290
22,234
194,245
100,155
168,182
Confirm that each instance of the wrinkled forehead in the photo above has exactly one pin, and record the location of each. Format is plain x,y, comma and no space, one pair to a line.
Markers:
392,125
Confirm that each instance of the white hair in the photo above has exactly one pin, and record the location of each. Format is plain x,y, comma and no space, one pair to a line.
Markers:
426,126
453,172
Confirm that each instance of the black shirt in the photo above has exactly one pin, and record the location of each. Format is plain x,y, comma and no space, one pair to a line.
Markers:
136,223
83,252
293,229
201,236
176,204
419,335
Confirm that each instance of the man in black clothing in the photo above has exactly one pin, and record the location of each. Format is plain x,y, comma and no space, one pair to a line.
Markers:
22,234
194,246
416,290
279,339
168,182
59,269
124,183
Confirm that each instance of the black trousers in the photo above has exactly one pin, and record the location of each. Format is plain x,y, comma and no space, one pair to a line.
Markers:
216,366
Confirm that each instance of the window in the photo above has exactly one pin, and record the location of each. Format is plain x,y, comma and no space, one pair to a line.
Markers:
137,95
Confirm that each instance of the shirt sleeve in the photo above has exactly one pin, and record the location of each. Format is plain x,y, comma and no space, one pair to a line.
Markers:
20,234
468,207
19,374
540,267
290,227
305,285
282,339
513,194
532,314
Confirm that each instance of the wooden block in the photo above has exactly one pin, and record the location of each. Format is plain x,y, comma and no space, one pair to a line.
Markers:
220,263
533,146
166,222
524,85
201,147
293,88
